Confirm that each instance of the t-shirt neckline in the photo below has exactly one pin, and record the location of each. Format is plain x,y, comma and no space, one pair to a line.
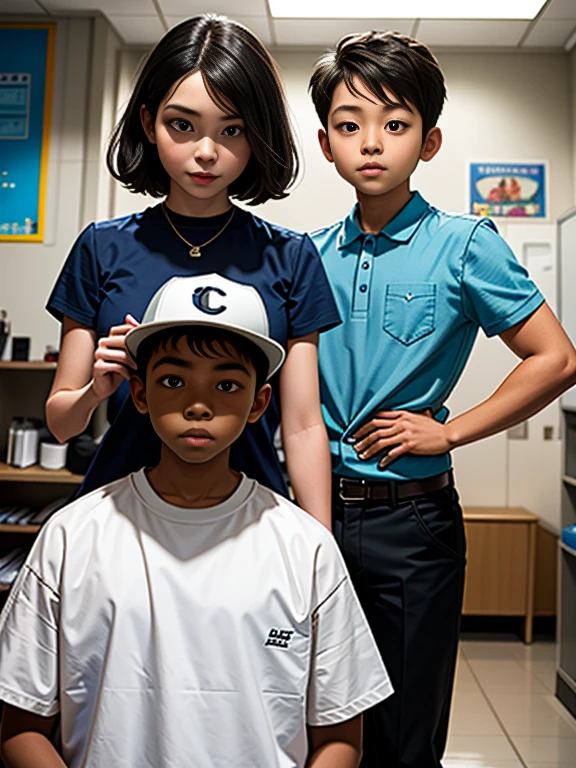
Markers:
195,515
204,222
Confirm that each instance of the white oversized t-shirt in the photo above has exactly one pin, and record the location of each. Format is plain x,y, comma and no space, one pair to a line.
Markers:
173,637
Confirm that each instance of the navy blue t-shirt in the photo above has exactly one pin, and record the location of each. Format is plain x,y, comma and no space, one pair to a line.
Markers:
115,267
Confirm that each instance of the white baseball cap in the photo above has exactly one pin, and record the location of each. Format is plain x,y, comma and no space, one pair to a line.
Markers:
213,301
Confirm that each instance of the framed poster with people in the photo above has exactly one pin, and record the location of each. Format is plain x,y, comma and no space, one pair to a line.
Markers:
508,189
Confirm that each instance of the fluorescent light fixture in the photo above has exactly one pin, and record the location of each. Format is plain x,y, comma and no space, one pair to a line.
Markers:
406,9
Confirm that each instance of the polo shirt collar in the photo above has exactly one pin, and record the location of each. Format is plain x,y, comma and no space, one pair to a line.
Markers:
399,230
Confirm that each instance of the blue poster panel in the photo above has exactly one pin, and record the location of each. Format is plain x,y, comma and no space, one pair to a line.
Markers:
26,73
508,190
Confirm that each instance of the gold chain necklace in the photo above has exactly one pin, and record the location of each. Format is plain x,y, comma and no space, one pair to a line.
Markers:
195,251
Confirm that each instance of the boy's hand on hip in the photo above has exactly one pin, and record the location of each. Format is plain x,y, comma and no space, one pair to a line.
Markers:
400,432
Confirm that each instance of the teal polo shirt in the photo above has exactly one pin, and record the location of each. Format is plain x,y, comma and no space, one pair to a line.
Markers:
411,299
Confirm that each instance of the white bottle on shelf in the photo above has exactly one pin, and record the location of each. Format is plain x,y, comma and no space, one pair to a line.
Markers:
25,445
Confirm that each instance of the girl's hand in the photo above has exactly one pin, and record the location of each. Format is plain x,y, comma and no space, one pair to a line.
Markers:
112,361
400,432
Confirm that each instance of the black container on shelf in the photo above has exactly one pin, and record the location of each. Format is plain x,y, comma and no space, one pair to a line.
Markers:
81,450
570,444
20,348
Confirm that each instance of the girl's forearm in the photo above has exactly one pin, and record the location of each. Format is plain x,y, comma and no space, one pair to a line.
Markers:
68,412
308,461
532,385
30,749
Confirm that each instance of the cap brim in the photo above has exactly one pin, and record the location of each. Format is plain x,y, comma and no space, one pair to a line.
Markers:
272,349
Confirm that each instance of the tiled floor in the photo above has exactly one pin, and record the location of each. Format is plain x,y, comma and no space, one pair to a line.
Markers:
505,714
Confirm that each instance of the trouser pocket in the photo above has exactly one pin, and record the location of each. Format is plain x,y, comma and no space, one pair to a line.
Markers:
439,518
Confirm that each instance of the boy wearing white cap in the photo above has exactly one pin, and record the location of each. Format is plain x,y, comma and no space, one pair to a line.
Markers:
186,615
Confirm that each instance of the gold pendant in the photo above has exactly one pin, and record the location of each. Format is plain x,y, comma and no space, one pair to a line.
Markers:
195,252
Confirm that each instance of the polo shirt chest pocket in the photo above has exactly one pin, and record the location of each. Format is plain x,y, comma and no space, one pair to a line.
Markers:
409,311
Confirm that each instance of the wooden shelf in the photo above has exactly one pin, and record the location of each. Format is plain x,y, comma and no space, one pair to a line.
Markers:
26,365
5,587
499,514
35,474
9,528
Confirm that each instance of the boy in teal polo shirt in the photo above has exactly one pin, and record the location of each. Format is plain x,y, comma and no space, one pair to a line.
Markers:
413,286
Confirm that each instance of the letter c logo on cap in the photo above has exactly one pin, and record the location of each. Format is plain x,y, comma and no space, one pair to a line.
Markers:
201,300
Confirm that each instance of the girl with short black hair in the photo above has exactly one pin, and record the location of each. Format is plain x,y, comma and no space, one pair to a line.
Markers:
238,72
207,121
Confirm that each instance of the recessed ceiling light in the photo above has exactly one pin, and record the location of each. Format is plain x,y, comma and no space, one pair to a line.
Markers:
407,9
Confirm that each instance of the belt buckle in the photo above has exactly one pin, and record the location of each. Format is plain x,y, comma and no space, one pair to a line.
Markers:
350,499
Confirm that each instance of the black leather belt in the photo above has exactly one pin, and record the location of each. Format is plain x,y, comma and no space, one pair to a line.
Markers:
360,490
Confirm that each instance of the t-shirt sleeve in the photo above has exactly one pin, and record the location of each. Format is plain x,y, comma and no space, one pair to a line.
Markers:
347,674
311,305
77,288
496,289
29,641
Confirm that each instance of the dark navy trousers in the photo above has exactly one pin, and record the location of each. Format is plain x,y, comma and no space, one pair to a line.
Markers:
407,562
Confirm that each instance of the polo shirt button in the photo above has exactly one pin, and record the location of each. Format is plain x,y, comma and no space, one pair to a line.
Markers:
408,297
365,265
363,288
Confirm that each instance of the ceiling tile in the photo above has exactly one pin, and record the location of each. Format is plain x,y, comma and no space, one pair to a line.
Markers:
560,9
549,34
326,32
20,6
471,33
138,30
118,7
257,24
233,8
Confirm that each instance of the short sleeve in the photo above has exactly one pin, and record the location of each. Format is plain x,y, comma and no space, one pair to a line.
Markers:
311,304
29,644
77,288
496,289
347,674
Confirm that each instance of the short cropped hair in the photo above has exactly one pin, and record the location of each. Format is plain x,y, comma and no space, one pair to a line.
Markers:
204,341
241,76
406,68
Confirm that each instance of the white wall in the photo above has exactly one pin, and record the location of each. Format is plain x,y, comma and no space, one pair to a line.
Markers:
573,102
98,187
78,189
518,107
503,105
130,60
